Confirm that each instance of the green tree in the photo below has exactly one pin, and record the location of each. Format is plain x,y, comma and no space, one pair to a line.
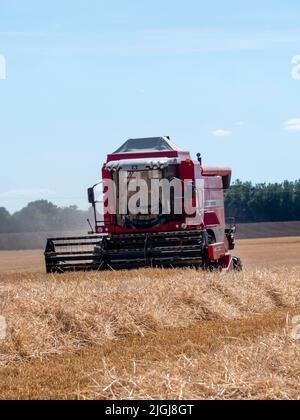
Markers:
5,221
263,202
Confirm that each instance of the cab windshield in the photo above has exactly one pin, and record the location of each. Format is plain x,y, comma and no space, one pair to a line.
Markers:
149,210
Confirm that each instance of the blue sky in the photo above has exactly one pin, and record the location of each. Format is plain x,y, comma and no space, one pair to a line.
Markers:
83,76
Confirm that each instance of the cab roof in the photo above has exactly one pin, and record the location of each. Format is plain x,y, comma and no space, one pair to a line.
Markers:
150,144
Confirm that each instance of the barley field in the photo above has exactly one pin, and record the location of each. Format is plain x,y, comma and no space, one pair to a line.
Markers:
148,334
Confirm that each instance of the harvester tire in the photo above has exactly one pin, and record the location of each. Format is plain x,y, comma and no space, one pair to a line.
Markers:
237,264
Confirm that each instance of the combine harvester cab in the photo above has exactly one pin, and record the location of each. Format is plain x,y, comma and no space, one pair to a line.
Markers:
161,209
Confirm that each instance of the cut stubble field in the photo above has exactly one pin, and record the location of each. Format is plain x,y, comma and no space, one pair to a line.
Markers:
148,334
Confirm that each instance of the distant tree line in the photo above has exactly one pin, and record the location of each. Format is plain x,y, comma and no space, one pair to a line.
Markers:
278,202
42,216
245,201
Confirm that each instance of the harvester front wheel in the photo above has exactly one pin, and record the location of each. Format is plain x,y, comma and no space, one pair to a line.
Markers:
237,264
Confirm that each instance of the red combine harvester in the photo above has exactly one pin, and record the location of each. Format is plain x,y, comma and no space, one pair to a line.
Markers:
153,237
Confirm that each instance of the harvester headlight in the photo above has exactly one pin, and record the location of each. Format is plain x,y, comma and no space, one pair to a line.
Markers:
183,226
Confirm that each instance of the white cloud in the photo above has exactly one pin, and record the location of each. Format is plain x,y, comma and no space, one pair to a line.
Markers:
221,133
27,193
296,68
292,124
166,41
